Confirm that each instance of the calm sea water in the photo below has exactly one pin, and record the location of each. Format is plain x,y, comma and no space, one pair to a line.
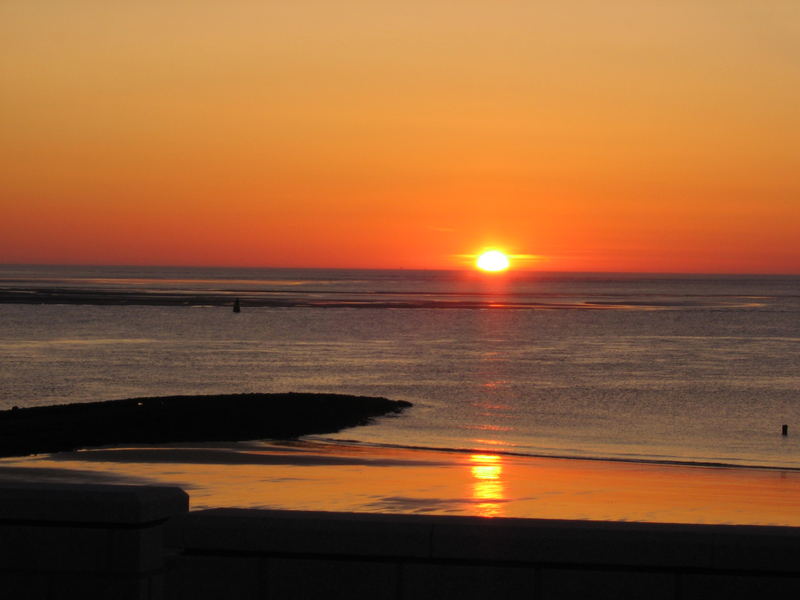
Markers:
647,367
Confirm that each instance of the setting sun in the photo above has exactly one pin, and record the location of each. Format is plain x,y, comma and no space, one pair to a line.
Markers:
492,260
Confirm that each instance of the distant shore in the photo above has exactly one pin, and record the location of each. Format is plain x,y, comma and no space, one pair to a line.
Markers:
278,299
226,417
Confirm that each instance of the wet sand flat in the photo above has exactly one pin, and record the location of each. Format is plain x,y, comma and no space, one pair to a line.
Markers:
316,475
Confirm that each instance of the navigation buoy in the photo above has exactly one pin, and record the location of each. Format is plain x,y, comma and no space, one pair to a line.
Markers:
236,306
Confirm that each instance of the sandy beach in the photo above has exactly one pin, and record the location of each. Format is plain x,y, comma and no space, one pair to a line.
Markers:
315,475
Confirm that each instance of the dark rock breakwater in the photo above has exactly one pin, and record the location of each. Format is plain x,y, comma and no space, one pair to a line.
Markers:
226,417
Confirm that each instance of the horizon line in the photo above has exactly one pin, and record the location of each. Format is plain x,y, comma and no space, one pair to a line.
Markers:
408,269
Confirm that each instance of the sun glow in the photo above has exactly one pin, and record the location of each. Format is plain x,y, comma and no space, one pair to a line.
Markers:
493,261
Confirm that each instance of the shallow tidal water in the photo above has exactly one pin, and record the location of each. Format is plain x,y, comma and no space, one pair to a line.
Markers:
315,475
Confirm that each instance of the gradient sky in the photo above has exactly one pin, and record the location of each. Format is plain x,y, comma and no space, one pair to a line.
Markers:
596,135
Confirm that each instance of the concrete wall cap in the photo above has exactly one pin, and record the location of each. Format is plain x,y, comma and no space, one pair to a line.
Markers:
479,539
90,503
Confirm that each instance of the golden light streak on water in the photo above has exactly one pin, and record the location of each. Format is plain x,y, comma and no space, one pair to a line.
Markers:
487,488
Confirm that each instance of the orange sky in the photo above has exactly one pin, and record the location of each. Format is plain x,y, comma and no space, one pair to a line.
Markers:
628,135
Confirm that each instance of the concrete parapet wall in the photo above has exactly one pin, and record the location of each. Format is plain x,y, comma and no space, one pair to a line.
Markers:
140,542
87,541
285,554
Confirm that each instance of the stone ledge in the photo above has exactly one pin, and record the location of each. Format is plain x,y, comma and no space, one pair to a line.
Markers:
474,539
303,532
90,504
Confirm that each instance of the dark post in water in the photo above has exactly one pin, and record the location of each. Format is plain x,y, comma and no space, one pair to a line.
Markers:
785,430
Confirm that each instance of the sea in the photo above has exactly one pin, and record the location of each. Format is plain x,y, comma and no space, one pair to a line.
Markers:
661,368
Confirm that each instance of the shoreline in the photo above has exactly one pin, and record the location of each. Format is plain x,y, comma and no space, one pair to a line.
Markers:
162,422
610,459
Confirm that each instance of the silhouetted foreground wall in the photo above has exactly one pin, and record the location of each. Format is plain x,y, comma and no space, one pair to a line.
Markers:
124,542
85,541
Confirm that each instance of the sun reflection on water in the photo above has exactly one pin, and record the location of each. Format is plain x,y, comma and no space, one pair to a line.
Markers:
488,490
